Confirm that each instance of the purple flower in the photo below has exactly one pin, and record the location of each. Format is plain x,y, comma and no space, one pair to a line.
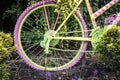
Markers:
75,77
48,74
95,72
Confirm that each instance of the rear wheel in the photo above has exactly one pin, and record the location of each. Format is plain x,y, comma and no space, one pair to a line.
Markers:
35,44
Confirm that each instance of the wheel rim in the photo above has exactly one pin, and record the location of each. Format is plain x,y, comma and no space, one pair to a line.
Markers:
63,47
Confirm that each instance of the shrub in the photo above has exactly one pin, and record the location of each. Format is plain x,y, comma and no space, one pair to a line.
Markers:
109,48
6,47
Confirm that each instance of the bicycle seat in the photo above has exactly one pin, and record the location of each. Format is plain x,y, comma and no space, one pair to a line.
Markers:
110,19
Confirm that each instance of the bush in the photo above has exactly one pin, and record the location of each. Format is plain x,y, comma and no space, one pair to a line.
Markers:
109,48
6,47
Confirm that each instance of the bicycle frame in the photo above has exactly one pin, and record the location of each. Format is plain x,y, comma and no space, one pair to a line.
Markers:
96,14
36,44
93,16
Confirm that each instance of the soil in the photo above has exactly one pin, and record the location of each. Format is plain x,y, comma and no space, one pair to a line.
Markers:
89,68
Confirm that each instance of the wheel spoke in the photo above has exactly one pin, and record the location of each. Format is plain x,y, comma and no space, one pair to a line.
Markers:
32,46
56,20
46,15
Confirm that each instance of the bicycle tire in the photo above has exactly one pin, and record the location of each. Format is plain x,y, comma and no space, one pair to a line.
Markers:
24,38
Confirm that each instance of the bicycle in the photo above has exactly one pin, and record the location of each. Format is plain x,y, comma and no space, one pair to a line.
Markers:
44,43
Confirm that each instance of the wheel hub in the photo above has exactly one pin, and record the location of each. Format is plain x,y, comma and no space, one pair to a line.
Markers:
48,41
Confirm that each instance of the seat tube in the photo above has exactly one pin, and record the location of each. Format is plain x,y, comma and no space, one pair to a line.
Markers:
91,13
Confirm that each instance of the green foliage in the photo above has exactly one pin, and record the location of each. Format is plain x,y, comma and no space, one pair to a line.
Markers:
32,2
14,10
11,13
109,47
3,72
65,7
6,48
